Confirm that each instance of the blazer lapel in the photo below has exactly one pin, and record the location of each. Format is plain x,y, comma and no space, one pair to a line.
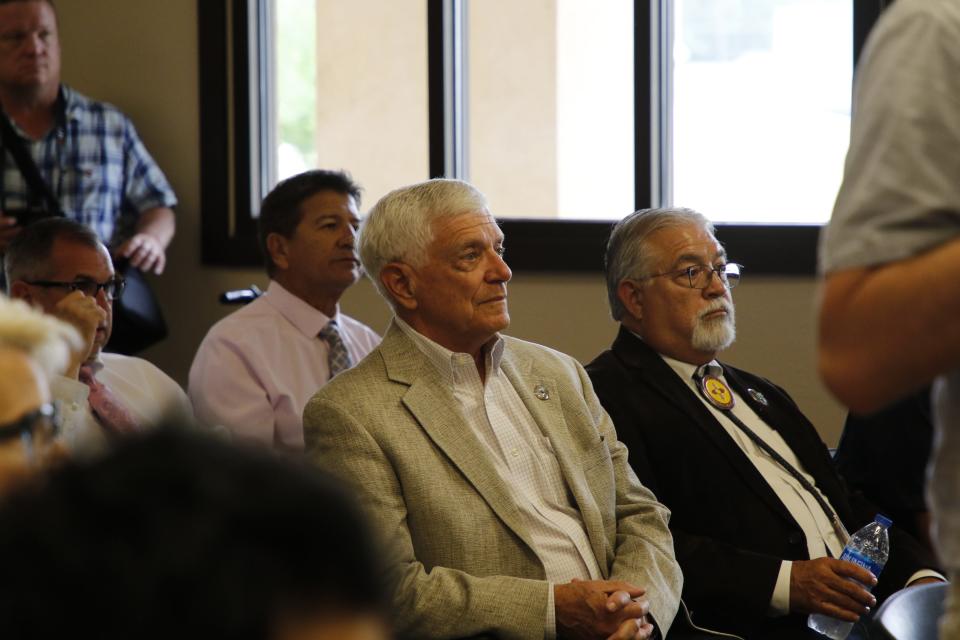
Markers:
432,404
540,394
659,376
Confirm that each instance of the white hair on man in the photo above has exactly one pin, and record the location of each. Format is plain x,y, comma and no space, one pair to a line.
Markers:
44,339
399,228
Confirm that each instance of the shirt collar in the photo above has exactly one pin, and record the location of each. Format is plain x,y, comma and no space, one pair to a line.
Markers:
71,106
71,102
308,320
686,370
450,364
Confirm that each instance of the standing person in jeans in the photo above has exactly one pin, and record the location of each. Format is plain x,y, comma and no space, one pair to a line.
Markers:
87,152
891,253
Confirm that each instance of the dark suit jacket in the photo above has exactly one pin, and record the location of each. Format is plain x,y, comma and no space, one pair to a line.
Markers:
898,437
730,530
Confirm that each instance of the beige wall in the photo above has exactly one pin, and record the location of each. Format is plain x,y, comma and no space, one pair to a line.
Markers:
142,56
372,115
522,181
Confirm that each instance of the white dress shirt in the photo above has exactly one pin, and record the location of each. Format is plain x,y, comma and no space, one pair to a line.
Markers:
149,394
257,368
800,503
523,457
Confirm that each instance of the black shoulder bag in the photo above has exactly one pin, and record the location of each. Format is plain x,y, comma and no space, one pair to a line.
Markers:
48,206
137,318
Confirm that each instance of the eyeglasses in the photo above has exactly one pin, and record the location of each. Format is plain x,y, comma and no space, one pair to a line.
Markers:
700,276
112,287
37,429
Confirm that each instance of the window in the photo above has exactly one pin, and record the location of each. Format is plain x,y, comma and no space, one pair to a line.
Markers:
568,114
550,107
351,89
760,118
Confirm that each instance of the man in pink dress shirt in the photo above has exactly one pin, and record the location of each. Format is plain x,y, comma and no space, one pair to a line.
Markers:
257,368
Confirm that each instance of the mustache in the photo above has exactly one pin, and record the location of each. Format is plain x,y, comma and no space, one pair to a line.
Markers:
716,305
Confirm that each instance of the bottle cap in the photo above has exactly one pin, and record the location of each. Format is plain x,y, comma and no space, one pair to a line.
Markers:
883,520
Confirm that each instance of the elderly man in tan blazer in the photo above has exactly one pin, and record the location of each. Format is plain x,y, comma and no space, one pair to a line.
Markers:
503,496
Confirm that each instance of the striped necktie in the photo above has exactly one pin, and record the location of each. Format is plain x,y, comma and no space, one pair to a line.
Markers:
106,407
338,357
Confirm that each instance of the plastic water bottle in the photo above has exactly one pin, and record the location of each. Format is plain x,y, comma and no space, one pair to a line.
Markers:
868,548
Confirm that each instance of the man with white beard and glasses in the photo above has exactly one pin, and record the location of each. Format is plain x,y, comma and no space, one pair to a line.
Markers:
759,515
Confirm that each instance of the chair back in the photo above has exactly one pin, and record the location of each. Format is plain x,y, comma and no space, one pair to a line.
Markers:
910,614
241,296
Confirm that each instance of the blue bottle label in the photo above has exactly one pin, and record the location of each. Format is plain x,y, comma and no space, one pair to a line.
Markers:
869,564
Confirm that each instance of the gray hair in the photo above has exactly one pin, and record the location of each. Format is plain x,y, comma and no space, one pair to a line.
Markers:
627,253
400,225
41,337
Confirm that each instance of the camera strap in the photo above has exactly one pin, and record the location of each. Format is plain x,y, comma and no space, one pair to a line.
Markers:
28,168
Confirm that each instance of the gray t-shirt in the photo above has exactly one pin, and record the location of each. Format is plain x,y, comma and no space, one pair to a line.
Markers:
901,189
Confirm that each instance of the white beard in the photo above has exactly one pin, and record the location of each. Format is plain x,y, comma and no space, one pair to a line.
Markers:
715,334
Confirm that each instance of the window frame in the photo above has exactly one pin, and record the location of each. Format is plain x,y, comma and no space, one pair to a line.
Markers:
229,28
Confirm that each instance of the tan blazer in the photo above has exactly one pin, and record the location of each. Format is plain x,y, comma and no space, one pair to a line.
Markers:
463,561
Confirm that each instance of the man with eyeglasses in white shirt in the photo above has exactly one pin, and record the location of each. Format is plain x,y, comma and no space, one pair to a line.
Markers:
759,514
62,267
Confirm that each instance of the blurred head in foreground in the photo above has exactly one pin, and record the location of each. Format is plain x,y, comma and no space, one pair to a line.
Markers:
175,534
33,348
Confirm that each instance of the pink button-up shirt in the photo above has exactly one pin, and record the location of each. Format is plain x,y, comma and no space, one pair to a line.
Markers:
258,367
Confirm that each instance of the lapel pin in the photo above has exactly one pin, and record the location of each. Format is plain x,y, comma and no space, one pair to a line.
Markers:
758,397
541,392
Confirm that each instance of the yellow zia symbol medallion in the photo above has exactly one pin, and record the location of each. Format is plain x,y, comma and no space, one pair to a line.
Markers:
717,392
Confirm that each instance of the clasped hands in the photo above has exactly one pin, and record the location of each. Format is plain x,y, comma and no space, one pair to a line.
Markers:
611,609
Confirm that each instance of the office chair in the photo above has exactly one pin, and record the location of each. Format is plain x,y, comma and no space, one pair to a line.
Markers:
910,614
241,296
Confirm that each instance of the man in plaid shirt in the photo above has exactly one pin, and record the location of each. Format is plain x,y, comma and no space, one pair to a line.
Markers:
87,152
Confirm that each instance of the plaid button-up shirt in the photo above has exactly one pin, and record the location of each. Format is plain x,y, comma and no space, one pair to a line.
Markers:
95,165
